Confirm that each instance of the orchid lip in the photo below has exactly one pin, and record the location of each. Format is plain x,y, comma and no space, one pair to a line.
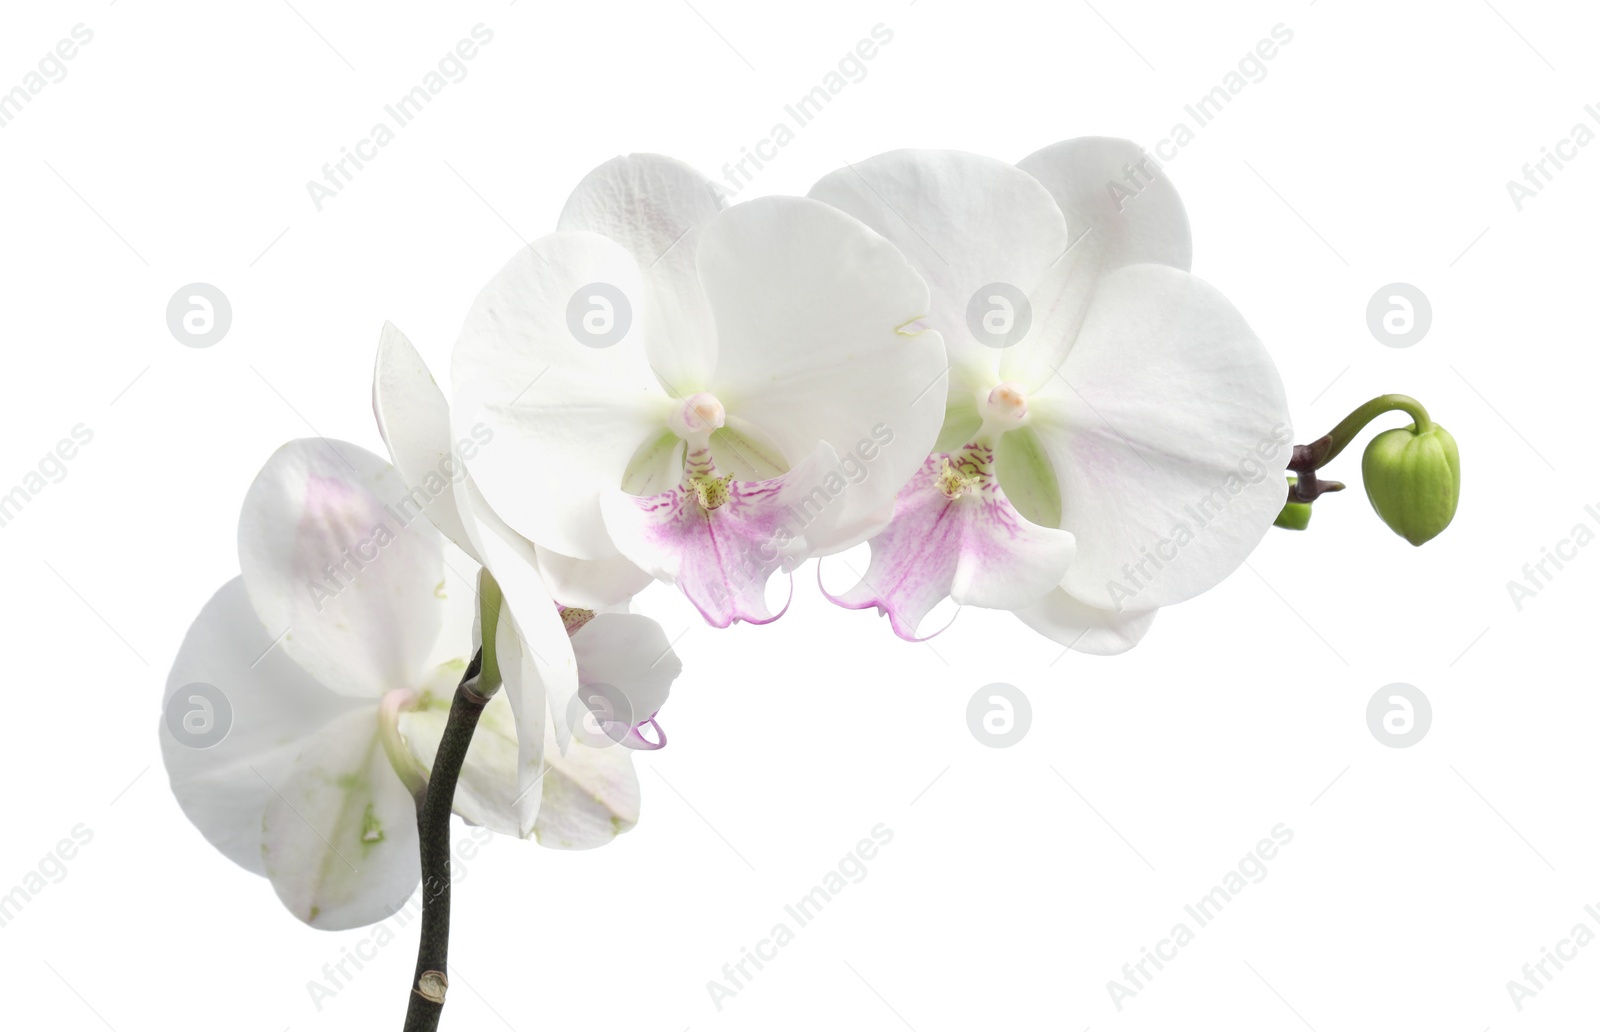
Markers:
720,538
955,535
635,738
954,481
897,622
574,619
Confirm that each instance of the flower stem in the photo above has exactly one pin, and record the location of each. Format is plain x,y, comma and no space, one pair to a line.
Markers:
433,827
1308,458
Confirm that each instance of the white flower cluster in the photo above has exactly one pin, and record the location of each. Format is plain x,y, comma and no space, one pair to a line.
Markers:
1003,377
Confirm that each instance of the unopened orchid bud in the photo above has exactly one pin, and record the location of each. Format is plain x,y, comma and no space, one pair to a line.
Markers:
1413,479
1294,515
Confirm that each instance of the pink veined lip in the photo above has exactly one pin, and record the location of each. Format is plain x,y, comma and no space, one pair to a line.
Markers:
723,556
918,557
636,740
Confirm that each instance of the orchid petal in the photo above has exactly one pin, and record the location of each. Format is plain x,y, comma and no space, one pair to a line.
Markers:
1119,195
591,795
655,207
487,789
961,422
270,705
339,838
657,464
332,565
631,653
523,685
414,420
812,311
574,801
1083,628
582,799
567,419
1023,468
1168,431
459,595
541,637
589,583
499,788
741,448
974,547
965,222
721,557
1122,210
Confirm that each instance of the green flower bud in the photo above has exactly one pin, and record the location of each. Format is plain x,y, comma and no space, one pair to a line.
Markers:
1413,480
1295,516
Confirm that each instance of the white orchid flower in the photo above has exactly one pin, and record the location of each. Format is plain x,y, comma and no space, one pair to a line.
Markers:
414,419
712,393
305,698
1115,434
619,667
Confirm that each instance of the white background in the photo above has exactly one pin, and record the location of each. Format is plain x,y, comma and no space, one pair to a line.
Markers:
1019,881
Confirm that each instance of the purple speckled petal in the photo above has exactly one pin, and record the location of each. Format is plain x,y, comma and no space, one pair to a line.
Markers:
974,547
722,556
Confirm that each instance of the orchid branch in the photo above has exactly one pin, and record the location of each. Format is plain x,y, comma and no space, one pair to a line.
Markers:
434,807
1412,474
1308,458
